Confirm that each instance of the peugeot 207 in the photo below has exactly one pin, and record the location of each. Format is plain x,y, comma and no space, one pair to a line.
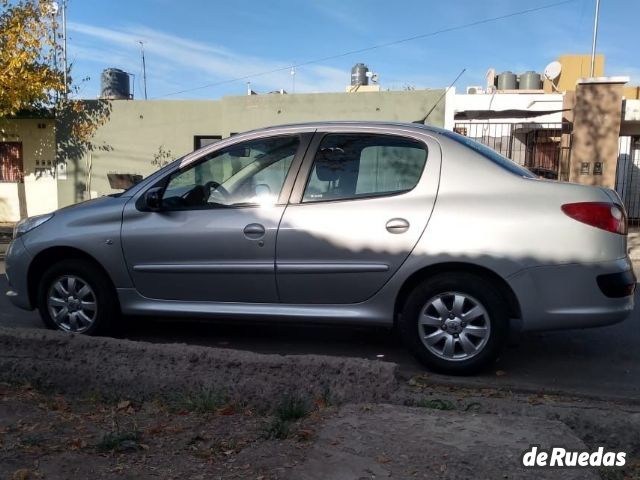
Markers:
396,225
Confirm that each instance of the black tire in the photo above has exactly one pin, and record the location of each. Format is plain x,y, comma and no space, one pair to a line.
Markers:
476,287
106,300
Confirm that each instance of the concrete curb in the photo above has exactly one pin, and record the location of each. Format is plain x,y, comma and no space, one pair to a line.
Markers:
126,369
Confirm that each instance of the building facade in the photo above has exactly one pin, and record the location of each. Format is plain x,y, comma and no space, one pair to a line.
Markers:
28,183
138,137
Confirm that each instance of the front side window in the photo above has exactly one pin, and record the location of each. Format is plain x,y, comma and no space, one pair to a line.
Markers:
246,174
364,165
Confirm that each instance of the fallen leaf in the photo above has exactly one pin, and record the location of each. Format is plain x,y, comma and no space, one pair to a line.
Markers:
228,409
382,459
77,444
123,405
500,373
22,474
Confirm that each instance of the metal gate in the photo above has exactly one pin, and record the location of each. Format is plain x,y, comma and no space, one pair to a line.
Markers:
543,148
628,176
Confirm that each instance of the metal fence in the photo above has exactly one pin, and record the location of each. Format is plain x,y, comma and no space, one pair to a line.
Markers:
628,176
544,148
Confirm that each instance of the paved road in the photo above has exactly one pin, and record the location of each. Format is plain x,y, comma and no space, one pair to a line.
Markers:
603,362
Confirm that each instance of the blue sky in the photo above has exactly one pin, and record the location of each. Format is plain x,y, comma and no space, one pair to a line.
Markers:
190,43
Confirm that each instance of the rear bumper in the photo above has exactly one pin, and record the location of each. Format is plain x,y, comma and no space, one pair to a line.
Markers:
17,263
574,295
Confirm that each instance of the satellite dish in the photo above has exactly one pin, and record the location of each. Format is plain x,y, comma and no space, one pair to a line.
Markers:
490,76
552,71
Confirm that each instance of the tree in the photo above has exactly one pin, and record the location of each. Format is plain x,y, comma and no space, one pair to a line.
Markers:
29,76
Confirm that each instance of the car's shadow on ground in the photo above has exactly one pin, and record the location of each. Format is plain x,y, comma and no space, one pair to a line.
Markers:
600,361
274,338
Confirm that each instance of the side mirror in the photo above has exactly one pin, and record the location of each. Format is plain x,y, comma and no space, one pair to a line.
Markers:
153,199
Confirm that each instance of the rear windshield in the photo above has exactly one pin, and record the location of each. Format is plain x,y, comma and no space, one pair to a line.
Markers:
491,154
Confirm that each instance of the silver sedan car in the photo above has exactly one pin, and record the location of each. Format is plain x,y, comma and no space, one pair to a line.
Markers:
386,224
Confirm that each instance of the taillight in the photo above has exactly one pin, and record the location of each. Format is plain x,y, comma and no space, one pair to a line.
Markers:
607,216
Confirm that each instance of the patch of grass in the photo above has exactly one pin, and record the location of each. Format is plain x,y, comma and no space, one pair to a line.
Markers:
327,400
436,404
119,441
200,401
292,407
32,441
277,428
97,397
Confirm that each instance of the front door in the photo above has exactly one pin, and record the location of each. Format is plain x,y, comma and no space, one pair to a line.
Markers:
214,238
360,204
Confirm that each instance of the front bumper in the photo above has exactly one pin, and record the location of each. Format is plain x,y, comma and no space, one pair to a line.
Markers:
569,296
17,263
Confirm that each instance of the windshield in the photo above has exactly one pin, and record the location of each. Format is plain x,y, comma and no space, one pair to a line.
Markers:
491,154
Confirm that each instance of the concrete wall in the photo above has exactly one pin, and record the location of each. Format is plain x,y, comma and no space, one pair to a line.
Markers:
136,130
39,189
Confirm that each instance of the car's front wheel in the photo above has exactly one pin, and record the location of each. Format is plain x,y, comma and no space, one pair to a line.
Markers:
76,296
455,323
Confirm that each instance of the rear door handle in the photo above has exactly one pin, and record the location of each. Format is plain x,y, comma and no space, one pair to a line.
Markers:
254,231
397,225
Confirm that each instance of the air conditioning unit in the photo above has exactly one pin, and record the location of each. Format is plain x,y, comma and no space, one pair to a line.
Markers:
474,90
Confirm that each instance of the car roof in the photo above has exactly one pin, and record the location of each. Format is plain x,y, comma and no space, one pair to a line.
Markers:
354,123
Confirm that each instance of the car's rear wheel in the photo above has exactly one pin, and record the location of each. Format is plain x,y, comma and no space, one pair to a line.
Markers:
76,296
455,323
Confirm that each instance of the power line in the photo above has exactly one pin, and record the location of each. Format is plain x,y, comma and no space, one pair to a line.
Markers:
374,47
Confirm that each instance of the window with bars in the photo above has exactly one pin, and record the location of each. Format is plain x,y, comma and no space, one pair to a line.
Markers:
11,162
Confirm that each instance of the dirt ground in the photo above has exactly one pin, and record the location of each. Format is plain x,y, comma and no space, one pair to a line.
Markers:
50,436
430,432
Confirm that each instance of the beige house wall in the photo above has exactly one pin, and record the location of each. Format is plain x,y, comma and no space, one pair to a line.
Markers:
137,130
39,189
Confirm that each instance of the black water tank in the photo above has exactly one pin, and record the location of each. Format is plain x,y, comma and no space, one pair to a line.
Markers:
359,74
114,84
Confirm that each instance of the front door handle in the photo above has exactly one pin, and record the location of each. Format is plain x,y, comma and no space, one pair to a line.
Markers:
254,231
397,225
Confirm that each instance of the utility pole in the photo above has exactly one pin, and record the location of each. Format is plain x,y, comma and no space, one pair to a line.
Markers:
144,69
595,39
64,46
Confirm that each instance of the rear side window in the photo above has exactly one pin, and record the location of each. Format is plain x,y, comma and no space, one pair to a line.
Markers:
364,165
491,154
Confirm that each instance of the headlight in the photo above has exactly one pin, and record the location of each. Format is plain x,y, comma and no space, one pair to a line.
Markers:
23,226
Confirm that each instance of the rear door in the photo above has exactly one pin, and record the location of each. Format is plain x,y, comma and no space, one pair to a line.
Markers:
360,203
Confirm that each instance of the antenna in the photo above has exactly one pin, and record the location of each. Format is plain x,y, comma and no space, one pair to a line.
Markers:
293,79
424,119
144,68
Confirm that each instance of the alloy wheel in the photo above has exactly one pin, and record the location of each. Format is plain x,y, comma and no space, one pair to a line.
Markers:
72,304
454,326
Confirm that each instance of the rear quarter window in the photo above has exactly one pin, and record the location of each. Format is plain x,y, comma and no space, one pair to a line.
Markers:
490,154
